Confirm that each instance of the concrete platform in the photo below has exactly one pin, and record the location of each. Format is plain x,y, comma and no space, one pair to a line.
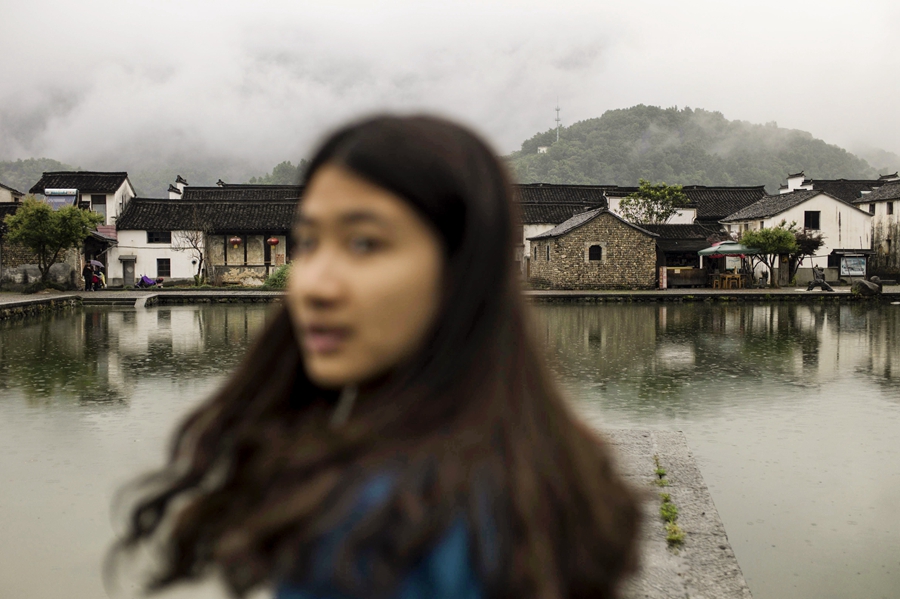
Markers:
705,565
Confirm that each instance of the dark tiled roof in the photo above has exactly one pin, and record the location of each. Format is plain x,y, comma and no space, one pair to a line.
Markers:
711,203
83,181
847,190
683,238
583,218
250,193
546,203
212,216
15,192
889,177
715,203
772,205
888,191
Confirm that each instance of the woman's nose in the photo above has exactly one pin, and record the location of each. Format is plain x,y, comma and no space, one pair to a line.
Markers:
321,278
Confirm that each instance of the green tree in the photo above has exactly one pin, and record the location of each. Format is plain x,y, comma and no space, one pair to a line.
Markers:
771,243
284,173
653,204
48,233
808,243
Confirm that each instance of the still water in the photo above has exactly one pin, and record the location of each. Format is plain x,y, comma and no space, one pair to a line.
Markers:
793,413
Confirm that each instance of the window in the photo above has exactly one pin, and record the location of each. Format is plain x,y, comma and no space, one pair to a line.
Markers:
871,208
159,237
98,204
535,251
163,267
595,252
746,226
762,225
811,220
548,252
890,208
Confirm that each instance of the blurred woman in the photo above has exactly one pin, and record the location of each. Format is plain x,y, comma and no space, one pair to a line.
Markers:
394,432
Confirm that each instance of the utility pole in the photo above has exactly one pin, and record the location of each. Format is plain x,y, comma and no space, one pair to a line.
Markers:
557,118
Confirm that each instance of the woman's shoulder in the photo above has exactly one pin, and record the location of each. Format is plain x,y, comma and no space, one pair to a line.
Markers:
445,571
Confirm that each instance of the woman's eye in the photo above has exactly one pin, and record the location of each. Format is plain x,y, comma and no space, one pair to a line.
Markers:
364,245
304,244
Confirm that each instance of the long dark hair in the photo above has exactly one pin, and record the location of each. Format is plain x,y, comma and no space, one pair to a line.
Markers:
472,426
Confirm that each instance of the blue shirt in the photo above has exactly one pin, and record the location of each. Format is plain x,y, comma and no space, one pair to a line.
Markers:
445,572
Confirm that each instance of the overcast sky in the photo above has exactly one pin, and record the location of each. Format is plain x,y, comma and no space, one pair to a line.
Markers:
85,82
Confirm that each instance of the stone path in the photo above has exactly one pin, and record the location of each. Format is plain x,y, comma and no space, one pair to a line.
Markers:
705,566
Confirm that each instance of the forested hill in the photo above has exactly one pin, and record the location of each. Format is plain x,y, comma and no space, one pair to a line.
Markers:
680,146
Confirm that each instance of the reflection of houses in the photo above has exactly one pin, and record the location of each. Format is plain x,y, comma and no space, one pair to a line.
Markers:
845,228
591,250
884,206
241,230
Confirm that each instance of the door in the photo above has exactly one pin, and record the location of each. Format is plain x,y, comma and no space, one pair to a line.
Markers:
128,273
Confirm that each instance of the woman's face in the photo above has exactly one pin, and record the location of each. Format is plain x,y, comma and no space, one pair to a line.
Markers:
365,281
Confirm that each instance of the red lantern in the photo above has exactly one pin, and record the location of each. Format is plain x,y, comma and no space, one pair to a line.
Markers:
235,241
272,241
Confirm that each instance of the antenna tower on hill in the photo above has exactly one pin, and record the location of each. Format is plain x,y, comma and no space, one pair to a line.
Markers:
557,119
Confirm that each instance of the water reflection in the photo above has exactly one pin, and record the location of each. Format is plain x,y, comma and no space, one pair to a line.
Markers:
793,413
641,355
96,355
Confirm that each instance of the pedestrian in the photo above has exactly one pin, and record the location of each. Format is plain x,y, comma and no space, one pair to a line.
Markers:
88,274
394,432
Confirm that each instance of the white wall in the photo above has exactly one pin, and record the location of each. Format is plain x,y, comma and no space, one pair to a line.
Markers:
134,243
5,195
115,202
684,216
531,231
842,226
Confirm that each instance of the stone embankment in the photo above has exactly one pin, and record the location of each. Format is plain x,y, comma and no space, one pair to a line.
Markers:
702,563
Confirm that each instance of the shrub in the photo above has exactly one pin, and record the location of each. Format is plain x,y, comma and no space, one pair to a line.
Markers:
278,279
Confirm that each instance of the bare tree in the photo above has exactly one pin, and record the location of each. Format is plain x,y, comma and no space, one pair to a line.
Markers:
193,240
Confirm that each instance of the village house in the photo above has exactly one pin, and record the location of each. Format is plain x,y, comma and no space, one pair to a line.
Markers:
595,249
845,229
236,233
10,195
105,193
848,190
544,206
884,205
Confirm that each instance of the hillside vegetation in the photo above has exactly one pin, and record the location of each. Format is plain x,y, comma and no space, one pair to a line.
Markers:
22,174
684,146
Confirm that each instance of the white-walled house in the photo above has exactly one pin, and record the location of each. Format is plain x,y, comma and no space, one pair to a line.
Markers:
242,232
545,205
10,195
106,193
884,206
843,227
707,205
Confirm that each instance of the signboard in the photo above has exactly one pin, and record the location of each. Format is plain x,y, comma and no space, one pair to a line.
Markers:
58,198
853,266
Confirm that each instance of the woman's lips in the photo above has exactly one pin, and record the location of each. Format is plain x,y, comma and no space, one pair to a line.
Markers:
324,340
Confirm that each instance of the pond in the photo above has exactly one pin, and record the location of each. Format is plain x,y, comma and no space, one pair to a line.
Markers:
792,411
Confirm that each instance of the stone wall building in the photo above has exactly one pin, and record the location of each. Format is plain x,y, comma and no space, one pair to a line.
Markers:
594,250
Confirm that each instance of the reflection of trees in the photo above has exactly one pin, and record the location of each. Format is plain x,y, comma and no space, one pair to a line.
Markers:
96,355
662,357
57,356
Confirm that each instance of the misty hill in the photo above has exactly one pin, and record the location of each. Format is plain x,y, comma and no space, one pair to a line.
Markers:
22,174
682,146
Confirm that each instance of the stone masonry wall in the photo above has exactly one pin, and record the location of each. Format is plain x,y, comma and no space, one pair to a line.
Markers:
629,258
